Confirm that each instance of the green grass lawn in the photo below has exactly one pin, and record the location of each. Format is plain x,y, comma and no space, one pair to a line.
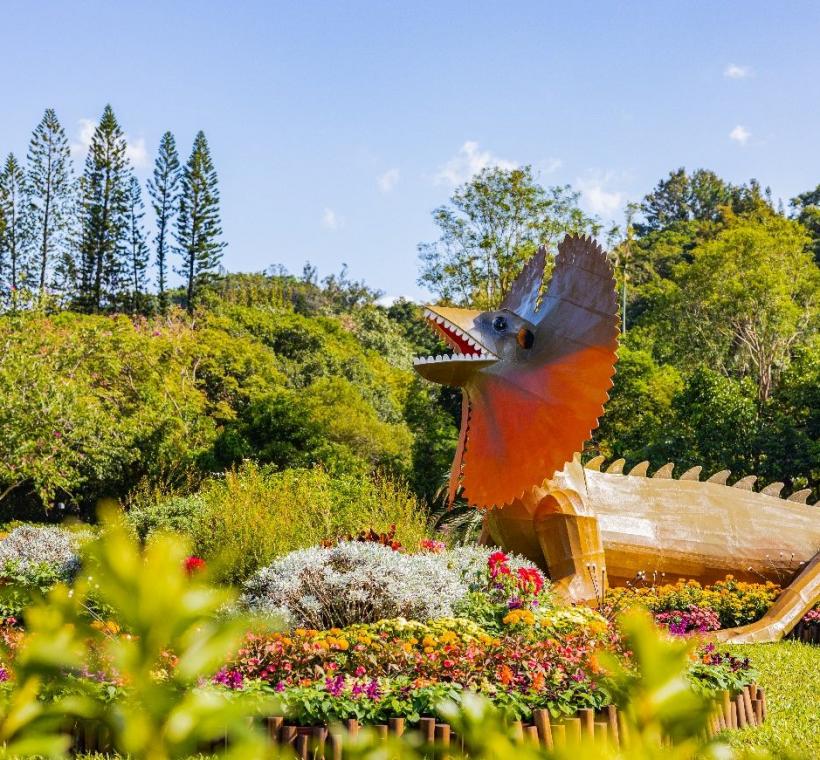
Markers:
790,673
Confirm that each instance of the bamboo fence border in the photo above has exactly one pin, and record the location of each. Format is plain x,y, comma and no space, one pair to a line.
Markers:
746,708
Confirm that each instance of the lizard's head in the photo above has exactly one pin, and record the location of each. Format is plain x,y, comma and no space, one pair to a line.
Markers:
535,372
480,340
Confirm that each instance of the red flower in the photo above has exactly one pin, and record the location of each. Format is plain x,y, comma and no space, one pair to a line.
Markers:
497,562
529,579
194,565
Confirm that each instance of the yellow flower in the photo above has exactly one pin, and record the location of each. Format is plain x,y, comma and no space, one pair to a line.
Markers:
516,617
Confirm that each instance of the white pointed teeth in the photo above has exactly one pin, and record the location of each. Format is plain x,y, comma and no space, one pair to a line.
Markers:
454,358
466,348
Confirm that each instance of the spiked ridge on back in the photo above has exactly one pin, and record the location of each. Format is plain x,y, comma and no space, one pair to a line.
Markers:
746,483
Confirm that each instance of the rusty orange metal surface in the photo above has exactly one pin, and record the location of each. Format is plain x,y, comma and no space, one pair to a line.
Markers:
535,375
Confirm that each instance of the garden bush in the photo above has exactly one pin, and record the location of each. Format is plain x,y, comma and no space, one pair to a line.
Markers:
32,559
242,521
355,582
175,514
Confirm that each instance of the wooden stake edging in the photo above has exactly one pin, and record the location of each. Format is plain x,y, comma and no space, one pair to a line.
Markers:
747,708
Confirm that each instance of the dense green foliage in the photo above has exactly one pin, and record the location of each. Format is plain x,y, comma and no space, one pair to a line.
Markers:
719,366
241,521
92,406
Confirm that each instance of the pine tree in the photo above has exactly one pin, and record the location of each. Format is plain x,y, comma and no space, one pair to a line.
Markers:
163,189
13,243
104,238
49,188
198,224
137,246
66,276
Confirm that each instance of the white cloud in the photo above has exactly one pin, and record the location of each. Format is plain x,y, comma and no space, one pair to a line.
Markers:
740,134
81,146
388,180
135,150
734,71
551,165
468,162
597,198
331,220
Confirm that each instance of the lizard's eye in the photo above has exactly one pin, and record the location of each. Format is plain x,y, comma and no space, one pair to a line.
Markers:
500,324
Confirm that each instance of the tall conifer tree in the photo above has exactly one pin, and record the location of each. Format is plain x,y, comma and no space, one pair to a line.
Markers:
104,240
198,224
137,247
14,241
49,188
163,189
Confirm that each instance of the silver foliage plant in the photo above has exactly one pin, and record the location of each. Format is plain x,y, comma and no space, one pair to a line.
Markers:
31,549
357,582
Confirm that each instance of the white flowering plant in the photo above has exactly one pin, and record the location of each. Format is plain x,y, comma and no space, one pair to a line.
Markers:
32,559
363,582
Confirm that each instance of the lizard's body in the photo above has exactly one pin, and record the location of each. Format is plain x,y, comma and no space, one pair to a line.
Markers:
722,530
535,375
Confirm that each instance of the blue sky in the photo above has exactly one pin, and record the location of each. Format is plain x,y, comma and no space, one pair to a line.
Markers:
337,127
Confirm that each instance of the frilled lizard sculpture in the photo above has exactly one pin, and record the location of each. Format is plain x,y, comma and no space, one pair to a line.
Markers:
535,375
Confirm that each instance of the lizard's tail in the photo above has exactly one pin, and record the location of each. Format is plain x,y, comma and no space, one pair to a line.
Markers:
795,601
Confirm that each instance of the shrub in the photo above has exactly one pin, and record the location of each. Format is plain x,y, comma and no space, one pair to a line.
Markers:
241,522
354,583
32,559
30,552
357,582
176,514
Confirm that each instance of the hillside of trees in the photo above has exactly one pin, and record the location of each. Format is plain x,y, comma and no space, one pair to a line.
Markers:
115,384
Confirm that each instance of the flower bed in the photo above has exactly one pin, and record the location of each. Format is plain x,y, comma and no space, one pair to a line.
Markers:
506,639
687,606
407,665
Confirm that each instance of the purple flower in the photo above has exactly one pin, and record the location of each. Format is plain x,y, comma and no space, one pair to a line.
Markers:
372,691
335,686
232,679
514,603
693,620
4,674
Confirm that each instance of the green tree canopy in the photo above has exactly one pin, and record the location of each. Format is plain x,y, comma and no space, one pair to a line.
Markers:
491,226
746,299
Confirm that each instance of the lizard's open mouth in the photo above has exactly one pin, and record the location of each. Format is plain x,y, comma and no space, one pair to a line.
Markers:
468,353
